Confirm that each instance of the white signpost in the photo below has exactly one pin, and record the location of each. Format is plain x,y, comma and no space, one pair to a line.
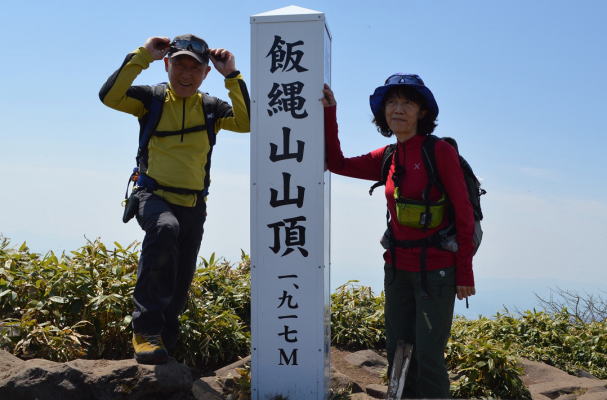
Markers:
290,204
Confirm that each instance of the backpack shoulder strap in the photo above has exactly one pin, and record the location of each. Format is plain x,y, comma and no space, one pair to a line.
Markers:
149,122
386,162
473,185
209,109
429,157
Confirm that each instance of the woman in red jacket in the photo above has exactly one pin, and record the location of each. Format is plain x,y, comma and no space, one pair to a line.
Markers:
420,282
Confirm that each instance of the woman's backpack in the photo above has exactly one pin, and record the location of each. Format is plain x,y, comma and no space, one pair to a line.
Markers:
445,238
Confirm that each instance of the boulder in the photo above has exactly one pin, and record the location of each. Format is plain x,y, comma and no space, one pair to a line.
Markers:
584,374
341,381
8,361
360,396
547,382
213,387
227,374
125,379
207,388
368,360
377,391
92,380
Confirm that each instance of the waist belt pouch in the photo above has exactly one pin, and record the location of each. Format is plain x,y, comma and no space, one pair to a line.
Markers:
131,206
448,239
412,213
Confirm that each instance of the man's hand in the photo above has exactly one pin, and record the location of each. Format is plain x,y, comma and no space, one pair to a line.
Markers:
223,61
157,46
464,292
328,99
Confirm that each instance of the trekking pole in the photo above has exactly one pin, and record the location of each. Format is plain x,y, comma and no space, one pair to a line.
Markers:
400,366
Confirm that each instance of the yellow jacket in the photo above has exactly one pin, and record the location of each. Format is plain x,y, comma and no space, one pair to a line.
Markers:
183,160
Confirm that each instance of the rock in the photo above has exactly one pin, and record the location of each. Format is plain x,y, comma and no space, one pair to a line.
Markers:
368,360
232,367
595,393
212,387
584,374
359,396
93,379
8,361
227,374
207,388
340,381
547,382
377,391
125,379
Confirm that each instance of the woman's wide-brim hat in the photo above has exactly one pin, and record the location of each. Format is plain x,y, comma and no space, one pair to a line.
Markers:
410,80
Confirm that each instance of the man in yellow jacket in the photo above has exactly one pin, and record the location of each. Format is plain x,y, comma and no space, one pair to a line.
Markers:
178,126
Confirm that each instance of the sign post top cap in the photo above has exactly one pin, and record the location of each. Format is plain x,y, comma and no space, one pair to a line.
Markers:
289,13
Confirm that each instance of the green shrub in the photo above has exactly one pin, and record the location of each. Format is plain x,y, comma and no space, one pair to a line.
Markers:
78,305
66,307
357,317
216,324
553,338
78,301
225,285
44,340
484,368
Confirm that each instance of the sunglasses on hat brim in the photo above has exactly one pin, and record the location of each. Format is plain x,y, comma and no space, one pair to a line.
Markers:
189,45
404,79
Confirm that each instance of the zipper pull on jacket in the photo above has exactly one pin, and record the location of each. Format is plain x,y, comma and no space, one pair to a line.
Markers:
183,120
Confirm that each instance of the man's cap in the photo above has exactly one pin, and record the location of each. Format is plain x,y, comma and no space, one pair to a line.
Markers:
413,81
190,45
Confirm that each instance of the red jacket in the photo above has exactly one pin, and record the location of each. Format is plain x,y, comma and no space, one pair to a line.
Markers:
413,181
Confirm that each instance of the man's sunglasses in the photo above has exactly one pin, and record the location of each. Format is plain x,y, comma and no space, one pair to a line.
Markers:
190,45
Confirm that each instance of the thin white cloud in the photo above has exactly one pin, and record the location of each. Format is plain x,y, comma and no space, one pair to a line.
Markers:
540,173
532,236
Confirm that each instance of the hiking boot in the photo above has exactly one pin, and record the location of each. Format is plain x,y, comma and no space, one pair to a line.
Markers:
149,349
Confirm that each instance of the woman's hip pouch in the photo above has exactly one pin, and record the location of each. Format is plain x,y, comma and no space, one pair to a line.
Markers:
418,214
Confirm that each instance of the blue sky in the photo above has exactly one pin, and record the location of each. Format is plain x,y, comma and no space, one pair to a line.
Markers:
519,84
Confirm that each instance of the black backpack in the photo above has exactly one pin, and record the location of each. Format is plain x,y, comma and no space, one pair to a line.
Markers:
149,122
445,238
154,102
